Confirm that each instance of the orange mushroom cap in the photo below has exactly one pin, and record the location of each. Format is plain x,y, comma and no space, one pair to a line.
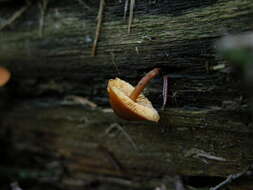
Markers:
4,76
141,109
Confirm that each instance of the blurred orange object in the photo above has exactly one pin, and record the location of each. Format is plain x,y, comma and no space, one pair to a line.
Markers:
4,76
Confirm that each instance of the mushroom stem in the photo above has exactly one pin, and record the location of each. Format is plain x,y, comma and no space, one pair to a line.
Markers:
143,83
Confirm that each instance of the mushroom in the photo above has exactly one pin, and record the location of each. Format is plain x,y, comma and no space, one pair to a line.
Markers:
4,76
128,102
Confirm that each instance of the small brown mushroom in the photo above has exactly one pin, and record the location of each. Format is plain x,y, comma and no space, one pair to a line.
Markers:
128,102
4,76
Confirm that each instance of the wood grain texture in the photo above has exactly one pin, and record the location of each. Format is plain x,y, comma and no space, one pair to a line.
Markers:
184,141
207,115
178,37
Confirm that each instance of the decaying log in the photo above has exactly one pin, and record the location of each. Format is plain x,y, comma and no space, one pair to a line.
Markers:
205,130
176,36
200,142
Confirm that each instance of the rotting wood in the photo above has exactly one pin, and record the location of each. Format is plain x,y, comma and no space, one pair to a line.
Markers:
182,45
207,113
75,133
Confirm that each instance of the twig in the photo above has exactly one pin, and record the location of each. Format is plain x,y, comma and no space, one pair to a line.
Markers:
229,179
110,156
72,99
165,91
125,9
15,16
117,126
131,13
84,4
210,157
114,63
99,21
197,153
43,6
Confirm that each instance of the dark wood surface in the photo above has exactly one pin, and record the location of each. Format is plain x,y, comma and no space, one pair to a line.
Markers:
178,37
205,129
